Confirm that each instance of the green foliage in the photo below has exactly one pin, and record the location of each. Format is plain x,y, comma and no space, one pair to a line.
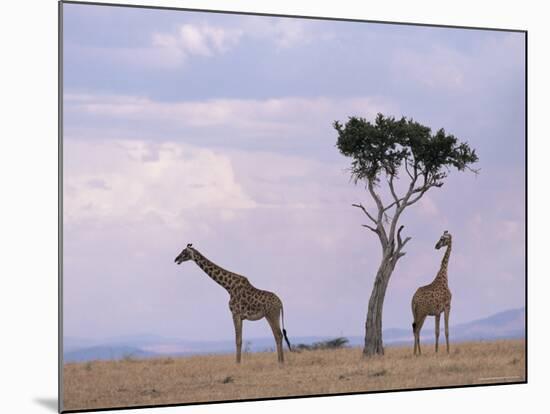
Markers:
387,144
129,357
335,343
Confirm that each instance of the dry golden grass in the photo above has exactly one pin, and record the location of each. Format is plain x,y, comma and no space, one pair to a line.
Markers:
216,377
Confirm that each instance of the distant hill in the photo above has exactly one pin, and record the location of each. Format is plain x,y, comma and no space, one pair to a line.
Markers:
71,343
509,324
106,352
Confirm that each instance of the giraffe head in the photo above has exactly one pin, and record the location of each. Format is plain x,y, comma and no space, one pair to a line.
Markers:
445,240
185,255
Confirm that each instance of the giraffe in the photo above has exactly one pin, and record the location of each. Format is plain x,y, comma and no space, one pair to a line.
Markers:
246,301
433,299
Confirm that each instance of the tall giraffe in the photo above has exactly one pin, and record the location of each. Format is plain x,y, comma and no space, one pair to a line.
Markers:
246,302
434,298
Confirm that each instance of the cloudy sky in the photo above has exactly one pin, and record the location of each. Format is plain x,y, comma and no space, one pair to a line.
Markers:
215,130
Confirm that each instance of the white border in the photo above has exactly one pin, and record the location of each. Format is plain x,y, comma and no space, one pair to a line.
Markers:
28,227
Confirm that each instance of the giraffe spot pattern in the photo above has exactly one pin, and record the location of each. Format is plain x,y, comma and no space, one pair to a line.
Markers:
246,301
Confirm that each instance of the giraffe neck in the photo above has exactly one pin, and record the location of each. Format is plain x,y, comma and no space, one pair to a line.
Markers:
442,274
216,273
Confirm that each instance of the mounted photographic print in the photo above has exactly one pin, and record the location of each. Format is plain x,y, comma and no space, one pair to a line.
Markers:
261,207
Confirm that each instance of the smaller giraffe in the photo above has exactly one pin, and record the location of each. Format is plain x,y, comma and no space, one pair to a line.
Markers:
246,301
433,299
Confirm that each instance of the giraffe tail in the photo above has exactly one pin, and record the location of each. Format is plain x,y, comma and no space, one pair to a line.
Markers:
284,330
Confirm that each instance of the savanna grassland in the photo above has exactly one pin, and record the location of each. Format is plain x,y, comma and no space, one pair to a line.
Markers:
216,377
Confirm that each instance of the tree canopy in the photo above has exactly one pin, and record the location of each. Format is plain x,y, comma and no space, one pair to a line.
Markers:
387,144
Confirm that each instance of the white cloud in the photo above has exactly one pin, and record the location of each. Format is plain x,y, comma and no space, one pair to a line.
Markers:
291,32
267,117
174,47
284,33
444,68
167,50
120,180
201,40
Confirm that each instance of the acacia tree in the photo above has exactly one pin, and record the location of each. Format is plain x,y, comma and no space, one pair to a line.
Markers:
381,152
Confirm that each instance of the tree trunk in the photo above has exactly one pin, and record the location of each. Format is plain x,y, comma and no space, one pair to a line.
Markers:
373,325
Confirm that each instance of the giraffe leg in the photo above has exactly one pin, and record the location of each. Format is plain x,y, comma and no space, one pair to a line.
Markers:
447,312
417,340
415,330
273,321
417,335
238,335
437,317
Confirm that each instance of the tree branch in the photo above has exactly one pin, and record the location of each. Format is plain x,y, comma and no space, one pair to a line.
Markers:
391,205
397,200
378,201
421,190
366,212
400,209
370,228
474,170
399,253
399,256
400,242
407,168
419,196
392,189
